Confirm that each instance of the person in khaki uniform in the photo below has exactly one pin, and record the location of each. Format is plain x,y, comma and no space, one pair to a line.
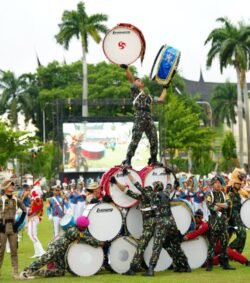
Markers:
8,226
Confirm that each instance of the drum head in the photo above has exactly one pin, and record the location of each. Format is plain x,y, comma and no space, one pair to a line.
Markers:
244,213
122,45
105,221
84,260
134,222
121,253
164,261
119,197
195,251
182,214
67,221
159,174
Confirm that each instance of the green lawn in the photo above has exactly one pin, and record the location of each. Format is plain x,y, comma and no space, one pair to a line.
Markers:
242,274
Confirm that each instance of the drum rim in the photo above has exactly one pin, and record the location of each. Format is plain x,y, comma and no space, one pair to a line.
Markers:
132,28
67,264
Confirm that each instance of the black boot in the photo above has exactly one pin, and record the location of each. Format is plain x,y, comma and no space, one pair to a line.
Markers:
150,271
227,266
130,272
153,161
247,263
127,162
209,265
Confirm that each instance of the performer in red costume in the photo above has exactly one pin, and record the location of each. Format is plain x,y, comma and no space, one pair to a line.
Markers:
201,229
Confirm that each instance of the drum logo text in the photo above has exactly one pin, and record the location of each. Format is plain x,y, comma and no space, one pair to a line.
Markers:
121,32
121,44
104,210
155,174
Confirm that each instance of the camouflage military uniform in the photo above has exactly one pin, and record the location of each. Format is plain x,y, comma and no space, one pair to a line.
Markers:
8,228
143,122
56,254
218,225
235,220
148,217
167,234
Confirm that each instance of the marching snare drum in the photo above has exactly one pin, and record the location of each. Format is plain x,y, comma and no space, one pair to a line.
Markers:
67,221
167,60
22,225
124,44
134,222
150,175
164,260
121,253
244,213
196,251
105,221
93,151
183,214
83,259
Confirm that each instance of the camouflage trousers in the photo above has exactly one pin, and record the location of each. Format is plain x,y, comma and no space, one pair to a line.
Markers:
51,256
239,243
140,126
167,235
147,234
213,237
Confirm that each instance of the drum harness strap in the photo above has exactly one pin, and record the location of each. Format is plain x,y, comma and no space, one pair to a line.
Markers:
57,202
224,197
142,92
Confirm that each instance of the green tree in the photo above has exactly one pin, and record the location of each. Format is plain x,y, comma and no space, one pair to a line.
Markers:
80,25
180,128
231,44
223,101
229,156
13,144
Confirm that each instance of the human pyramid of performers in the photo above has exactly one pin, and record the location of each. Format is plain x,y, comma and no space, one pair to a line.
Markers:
135,222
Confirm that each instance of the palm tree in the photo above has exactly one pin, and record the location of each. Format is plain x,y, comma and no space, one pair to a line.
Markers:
223,100
79,24
11,97
232,45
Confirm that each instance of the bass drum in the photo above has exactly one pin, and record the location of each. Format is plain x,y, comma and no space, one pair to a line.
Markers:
119,197
164,261
134,222
196,251
183,214
121,253
124,44
244,213
105,221
150,174
83,259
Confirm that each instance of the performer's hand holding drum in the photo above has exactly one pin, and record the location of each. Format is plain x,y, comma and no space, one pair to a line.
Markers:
124,44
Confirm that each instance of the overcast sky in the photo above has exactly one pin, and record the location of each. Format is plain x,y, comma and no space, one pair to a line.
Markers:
29,26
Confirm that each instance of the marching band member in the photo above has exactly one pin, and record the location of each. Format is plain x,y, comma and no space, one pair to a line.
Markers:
57,249
81,197
56,209
34,217
73,197
8,227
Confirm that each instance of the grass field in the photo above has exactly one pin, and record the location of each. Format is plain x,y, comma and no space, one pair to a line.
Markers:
242,274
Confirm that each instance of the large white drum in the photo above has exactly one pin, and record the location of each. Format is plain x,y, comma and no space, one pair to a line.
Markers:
84,260
183,214
121,253
150,175
164,261
124,44
245,213
105,221
120,198
196,251
134,222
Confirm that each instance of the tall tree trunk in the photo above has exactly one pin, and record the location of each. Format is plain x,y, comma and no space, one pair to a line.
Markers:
240,117
84,83
245,93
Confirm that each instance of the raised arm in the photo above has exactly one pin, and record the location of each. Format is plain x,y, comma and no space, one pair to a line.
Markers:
129,74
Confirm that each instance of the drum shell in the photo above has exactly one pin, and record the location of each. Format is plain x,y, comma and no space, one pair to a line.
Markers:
22,225
88,260
244,213
105,221
134,222
93,151
67,221
121,253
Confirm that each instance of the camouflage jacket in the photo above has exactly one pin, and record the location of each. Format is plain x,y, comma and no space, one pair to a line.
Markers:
72,234
235,200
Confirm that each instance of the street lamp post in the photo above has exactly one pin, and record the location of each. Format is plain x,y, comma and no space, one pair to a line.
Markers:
44,126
